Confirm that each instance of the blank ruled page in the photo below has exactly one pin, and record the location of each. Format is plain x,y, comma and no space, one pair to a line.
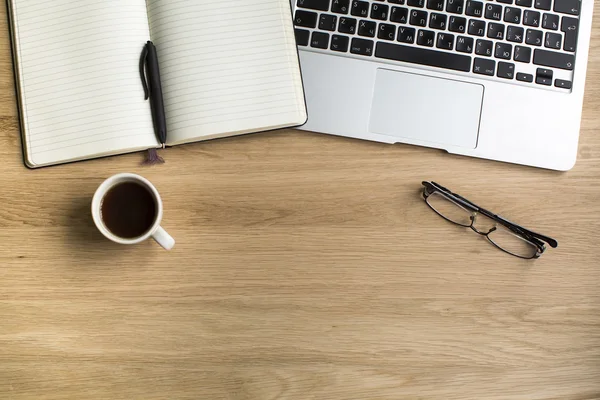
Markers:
228,67
78,67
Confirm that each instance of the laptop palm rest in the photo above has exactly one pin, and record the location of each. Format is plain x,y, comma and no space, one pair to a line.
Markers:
424,109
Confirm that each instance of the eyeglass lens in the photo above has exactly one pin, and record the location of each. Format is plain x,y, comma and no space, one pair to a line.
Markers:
497,234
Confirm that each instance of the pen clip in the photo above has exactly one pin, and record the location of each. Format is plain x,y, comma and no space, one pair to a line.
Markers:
143,72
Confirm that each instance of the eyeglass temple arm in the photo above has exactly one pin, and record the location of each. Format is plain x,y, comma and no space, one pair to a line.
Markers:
553,243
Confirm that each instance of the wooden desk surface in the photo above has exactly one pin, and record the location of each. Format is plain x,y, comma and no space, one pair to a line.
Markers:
306,267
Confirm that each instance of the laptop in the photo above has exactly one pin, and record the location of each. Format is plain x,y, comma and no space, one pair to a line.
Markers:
501,80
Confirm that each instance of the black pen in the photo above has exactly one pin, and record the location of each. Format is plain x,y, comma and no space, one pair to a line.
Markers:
150,73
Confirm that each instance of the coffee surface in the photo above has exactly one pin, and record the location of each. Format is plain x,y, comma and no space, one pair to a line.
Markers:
128,210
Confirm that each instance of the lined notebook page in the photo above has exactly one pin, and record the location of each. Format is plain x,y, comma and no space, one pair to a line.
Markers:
227,67
78,64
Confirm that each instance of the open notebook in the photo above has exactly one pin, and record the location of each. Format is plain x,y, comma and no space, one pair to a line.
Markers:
228,68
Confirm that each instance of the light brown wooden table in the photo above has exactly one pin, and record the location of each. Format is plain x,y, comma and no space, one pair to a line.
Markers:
306,267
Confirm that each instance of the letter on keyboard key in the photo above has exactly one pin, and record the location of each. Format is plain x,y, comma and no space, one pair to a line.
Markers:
474,8
445,41
493,11
363,47
455,6
423,56
553,59
321,5
464,44
406,35
367,28
340,6
360,8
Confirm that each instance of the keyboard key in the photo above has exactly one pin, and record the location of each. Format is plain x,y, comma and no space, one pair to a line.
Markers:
553,59
570,26
524,77
550,21
425,38
438,21
495,31
320,40
505,1
360,9
302,37
543,76
553,40
347,25
534,37
327,22
464,44
503,51
416,55
380,12
386,32
418,18
306,19
506,70
522,54
474,8
542,4
567,6
512,15
340,6
367,28
455,6
321,5
445,41
406,34
457,24
493,11
484,47
524,3
340,43
396,1
437,5
484,67
416,3
362,47
559,83
515,34
476,27
531,18
399,15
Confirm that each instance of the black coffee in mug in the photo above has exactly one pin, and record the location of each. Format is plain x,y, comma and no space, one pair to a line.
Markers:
128,210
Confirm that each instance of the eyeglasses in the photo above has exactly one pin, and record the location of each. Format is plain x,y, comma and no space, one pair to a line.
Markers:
505,235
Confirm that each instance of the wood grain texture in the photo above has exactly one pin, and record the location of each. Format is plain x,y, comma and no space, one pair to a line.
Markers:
306,267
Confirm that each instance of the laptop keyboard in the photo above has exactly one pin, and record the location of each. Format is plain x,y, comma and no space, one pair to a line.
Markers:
529,42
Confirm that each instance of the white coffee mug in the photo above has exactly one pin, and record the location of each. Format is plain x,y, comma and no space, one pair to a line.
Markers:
155,232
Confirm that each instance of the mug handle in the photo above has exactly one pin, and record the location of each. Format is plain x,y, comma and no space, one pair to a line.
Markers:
163,238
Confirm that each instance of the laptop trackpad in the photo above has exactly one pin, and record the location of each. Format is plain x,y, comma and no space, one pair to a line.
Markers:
418,107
